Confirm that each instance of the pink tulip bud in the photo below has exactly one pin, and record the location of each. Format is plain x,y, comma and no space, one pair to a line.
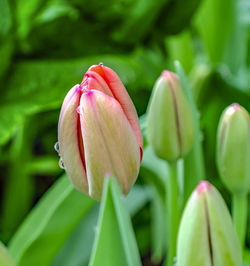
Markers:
99,133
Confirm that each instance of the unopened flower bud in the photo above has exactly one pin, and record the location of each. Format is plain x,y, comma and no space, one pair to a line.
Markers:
99,133
206,235
169,119
233,149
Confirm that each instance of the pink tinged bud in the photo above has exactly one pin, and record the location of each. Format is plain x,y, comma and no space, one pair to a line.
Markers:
99,133
233,149
206,234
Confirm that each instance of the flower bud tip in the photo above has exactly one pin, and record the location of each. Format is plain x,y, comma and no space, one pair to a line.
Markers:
203,186
235,106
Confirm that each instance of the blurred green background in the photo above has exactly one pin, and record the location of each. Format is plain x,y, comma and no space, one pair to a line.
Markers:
47,46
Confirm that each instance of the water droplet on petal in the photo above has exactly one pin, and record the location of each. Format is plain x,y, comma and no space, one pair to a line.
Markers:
61,164
56,147
78,109
101,64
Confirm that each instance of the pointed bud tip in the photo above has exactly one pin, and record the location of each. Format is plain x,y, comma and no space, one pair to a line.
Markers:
235,106
232,108
167,74
203,186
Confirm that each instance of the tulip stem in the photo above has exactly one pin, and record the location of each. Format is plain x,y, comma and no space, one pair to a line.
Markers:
172,212
239,210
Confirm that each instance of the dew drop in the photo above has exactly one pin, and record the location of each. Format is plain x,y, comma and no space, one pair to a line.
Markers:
61,164
56,147
78,109
101,64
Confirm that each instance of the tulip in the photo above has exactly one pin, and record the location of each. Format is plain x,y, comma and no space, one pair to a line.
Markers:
169,119
206,235
99,133
233,161
233,149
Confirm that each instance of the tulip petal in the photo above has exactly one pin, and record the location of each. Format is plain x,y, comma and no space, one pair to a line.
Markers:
193,242
93,81
226,248
120,94
69,142
206,234
110,144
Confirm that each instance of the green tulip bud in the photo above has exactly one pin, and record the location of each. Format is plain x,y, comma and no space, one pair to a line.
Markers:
169,119
206,235
233,149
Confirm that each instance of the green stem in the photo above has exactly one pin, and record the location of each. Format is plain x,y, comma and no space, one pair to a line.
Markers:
172,213
239,210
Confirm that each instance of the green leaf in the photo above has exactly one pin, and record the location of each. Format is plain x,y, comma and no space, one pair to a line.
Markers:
83,235
81,238
176,15
227,44
158,231
154,168
134,27
137,198
47,227
246,257
180,47
6,38
5,18
193,163
5,257
115,242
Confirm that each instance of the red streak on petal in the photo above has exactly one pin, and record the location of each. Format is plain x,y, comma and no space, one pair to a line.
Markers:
141,153
79,137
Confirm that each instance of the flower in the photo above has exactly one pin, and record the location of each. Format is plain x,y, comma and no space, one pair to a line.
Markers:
233,149
169,119
206,235
99,133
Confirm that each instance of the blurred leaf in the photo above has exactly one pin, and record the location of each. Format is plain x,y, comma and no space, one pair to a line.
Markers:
177,15
5,18
157,226
17,177
156,167
139,21
6,38
43,165
227,44
137,198
25,13
194,169
5,257
181,48
246,257
50,223
209,21
115,242
6,51
81,238
55,9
